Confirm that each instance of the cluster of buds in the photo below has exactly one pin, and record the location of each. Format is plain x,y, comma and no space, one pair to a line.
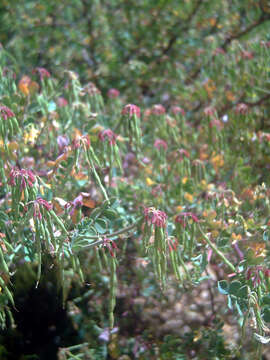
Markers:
108,135
39,202
8,122
155,217
26,176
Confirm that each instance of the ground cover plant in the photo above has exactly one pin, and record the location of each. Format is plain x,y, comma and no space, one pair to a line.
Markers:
134,180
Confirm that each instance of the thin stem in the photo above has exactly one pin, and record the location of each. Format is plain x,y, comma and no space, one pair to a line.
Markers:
219,253
110,235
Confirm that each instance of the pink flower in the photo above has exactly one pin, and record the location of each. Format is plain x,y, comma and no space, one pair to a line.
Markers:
247,55
218,51
27,177
113,93
178,110
158,109
109,134
182,153
83,140
61,102
160,143
156,217
209,111
181,218
241,109
6,112
41,202
42,72
110,245
131,110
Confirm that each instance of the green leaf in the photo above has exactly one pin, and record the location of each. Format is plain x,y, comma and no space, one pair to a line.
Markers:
101,226
234,287
223,287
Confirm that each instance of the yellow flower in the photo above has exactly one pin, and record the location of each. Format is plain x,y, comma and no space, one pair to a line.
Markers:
188,197
184,180
149,182
31,136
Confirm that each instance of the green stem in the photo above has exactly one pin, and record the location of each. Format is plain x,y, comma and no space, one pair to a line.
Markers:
219,253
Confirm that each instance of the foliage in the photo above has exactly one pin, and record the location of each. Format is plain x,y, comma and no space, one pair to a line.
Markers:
163,195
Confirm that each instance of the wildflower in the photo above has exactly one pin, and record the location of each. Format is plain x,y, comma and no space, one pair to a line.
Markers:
24,84
160,143
110,245
109,135
209,111
82,140
5,112
40,202
158,109
183,153
241,109
254,274
156,217
218,51
27,177
178,110
131,109
62,142
113,93
42,72
181,218
61,102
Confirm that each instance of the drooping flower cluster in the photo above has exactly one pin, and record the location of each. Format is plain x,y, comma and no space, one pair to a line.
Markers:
41,202
131,109
181,218
26,176
160,143
79,141
177,110
6,112
113,93
109,135
43,73
158,109
155,217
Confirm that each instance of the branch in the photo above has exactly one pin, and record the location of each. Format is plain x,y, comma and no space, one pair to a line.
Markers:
227,42
174,37
108,235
